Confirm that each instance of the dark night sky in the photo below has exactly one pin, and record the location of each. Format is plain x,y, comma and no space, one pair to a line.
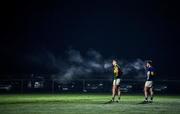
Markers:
126,29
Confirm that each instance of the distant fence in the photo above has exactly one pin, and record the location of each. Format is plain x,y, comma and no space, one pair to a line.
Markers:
83,85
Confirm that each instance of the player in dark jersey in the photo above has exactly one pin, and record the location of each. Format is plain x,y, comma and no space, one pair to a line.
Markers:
148,87
116,81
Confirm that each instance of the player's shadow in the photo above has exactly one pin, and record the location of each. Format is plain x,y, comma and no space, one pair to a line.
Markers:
108,102
145,102
112,102
123,102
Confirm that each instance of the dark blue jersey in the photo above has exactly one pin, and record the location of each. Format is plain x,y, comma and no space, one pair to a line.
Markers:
150,74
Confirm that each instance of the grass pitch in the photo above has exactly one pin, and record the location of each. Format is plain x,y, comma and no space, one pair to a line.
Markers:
86,104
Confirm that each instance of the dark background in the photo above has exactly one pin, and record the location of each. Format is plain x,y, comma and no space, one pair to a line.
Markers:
126,29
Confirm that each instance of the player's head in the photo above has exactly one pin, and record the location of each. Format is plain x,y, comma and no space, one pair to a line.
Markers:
149,63
114,62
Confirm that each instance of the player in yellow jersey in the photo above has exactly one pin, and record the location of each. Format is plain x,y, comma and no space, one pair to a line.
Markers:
116,81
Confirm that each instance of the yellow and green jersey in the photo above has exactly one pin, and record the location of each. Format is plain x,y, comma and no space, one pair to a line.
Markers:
116,71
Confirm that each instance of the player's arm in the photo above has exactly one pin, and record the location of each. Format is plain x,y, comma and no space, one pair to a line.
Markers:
116,70
148,73
152,73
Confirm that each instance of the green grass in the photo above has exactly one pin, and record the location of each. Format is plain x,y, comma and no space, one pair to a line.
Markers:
85,104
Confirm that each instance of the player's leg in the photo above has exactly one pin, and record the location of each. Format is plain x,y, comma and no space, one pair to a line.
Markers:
151,94
114,90
119,93
146,92
118,89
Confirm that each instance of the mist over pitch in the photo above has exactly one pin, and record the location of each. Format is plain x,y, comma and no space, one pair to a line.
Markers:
93,65
88,65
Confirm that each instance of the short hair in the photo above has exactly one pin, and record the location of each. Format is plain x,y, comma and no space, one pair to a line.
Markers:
114,60
150,62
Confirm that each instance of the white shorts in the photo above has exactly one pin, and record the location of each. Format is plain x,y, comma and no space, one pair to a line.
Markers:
116,82
148,83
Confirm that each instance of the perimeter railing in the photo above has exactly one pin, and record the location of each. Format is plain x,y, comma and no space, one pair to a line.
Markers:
84,86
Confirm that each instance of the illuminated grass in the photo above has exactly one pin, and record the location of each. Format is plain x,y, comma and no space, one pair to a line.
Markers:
85,104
